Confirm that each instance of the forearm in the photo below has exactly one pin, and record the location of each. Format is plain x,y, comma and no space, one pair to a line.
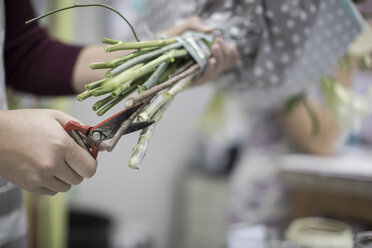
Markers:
81,72
299,128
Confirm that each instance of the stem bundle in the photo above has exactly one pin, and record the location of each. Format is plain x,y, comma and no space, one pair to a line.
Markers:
157,69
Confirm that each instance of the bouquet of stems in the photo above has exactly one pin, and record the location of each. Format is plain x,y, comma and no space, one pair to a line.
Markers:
157,70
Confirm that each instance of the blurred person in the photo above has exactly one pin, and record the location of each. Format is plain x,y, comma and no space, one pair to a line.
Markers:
283,47
36,153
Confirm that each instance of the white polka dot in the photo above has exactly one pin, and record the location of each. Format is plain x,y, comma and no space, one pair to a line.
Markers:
284,8
290,23
298,52
348,23
295,39
338,28
312,9
269,64
259,10
267,49
323,5
265,35
279,44
315,55
275,29
270,14
303,16
284,59
307,31
340,11
258,72
295,2
235,31
274,79
318,39
330,17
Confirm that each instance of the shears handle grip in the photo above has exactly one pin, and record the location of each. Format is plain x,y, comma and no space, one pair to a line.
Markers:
75,129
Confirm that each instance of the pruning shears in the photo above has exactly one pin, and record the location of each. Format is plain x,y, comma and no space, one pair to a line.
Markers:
90,137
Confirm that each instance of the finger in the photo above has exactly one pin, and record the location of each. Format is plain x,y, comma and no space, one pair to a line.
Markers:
80,160
208,72
227,53
197,24
66,174
223,46
225,59
201,27
63,118
216,52
235,53
45,191
102,146
57,185
210,69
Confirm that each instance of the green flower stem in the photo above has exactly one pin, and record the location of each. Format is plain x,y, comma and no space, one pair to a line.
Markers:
98,65
127,75
139,45
110,41
142,58
111,104
84,95
165,97
154,78
139,151
119,60
171,69
112,83
115,101
156,89
184,67
313,117
87,5
102,102
119,90
95,84
152,108
100,91
123,128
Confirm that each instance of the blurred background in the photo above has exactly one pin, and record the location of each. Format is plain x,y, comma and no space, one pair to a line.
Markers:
198,188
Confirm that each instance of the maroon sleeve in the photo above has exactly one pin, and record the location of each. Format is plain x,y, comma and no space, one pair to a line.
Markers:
34,62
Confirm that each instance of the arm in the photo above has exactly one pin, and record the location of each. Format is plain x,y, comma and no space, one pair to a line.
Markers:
298,126
35,151
38,155
48,67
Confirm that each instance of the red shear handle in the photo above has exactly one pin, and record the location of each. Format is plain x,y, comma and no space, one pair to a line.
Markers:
72,127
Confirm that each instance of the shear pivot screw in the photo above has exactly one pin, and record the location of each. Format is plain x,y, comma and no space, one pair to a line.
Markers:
96,136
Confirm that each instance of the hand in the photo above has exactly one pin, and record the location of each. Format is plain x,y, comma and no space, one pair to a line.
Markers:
38,155
194,23
224,57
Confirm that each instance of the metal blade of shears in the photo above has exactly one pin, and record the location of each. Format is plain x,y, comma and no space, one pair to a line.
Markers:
109,127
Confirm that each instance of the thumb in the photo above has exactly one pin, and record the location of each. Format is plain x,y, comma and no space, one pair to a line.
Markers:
197,24
63,118
201,27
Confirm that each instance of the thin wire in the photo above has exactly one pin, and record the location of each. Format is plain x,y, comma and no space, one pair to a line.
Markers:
76,5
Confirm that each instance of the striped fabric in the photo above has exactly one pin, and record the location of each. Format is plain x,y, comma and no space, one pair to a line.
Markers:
13,232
